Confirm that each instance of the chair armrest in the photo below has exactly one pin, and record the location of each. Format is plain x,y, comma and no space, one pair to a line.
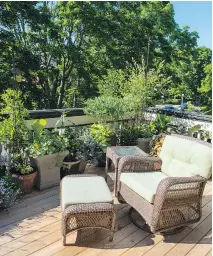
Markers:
179,183
174,192
139,164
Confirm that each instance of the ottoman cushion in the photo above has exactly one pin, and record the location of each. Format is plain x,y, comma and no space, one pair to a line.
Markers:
84,190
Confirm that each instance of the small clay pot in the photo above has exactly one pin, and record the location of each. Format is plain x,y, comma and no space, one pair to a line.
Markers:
27,181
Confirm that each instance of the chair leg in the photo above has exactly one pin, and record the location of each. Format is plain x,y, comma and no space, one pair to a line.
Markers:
64,240
111,236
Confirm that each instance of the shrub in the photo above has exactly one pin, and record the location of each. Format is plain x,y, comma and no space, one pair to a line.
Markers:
161,124
130,132
107,108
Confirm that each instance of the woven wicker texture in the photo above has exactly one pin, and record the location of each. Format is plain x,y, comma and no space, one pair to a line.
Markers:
90,215
177,202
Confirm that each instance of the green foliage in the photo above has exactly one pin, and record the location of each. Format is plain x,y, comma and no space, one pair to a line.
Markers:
206,89
102,133
177,129
73,143
107,107
13,129
161,124
91,149
113,83
20,165
190,107
207,135
9,190
46,142
65,47
130,132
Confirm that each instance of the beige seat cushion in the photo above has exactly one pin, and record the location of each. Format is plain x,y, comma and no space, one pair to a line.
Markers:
144,184
84,190
189,152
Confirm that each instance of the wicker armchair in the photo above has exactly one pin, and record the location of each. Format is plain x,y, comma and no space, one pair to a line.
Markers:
175,202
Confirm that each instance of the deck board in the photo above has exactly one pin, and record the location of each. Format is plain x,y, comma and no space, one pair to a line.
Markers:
33,227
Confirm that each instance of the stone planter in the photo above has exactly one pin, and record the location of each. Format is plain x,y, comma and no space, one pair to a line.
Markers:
27,181
48,168
143,144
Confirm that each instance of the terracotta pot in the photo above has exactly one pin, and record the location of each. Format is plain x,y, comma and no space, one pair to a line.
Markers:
27,182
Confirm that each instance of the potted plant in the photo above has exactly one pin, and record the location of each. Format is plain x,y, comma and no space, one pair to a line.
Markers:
25,174
92,150
105,135
161,124
14,136
47,151
133,134
72,162
145,137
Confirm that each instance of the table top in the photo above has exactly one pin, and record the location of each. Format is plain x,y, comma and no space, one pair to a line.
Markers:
121,151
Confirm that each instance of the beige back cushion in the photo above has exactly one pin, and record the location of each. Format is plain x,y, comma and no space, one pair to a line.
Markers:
186,151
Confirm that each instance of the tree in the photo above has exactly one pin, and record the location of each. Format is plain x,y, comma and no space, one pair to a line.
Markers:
206,89
63,49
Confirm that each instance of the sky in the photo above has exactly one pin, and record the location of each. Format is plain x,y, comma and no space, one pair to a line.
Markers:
198,16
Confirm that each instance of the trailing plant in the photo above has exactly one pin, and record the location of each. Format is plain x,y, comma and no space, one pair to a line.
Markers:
161,124
9,190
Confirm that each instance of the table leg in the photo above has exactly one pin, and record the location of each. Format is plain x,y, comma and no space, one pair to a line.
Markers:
107,167
116,179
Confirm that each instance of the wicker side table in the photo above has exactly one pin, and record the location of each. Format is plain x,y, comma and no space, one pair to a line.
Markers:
85,205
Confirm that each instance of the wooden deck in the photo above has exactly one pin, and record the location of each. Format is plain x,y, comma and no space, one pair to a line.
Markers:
33,227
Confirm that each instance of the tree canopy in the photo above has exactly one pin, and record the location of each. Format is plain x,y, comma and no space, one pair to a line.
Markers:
59,52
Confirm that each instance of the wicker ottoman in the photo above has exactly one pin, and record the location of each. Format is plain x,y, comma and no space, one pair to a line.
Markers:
86,202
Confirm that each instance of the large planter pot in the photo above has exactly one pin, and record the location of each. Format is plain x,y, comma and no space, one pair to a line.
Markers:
69,168
48,168
27,181
143,144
